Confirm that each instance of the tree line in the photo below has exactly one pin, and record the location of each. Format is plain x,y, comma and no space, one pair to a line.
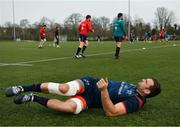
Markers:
102,25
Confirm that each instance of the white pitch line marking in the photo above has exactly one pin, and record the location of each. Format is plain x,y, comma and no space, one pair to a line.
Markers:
14,64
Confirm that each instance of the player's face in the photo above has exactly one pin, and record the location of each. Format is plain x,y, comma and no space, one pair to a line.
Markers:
145,84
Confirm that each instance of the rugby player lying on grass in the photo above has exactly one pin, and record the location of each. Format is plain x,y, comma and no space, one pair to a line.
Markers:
115,97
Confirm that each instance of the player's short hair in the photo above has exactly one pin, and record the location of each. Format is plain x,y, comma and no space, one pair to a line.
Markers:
88,16
119,15
155,89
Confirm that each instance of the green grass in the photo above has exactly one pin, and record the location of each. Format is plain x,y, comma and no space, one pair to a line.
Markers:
161,62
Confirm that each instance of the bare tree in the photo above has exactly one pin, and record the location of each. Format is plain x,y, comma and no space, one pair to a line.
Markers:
97,25
8,24
73,20
104,21
46,21
71,25
164,17
101,25
24,23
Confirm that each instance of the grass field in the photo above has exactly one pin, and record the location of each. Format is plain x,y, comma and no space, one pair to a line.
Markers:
23,63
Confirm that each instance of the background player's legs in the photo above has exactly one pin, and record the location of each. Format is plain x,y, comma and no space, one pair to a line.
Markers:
85,46
81,44
43,40
40,44
118,46
57,41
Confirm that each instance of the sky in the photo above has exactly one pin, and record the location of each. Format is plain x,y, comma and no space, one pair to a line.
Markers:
59,10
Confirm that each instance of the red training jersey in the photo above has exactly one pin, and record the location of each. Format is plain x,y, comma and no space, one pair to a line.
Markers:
161,33
42,31
85,26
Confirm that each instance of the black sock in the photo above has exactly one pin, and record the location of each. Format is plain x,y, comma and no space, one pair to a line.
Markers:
84,48
41,100
117,51
78,50
33,87
57,42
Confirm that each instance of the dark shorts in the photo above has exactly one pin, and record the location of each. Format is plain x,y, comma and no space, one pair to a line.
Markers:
161,37
91,93
42,37
118,39
83,38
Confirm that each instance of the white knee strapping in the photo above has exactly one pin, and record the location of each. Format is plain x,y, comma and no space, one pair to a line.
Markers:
74,86
79,105
53,87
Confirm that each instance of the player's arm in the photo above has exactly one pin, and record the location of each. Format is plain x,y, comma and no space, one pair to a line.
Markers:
124,28
90,27
109,108
79,27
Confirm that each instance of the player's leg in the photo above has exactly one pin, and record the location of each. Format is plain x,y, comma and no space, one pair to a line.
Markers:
84,47
57,41
44,40
40,43
85,44
74,105
67,89
81,44
15,90
118,45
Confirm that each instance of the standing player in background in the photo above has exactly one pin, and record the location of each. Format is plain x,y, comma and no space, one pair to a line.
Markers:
98,38
161,35
131,37
166,37
42,33
145,36
119,31
56,36
84,27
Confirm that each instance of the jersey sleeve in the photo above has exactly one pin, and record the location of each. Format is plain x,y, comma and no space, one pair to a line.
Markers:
123,27
132,104
89,26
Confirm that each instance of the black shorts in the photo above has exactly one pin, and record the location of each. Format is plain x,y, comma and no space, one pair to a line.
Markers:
42,37
83,38
161,37
91,94
118,39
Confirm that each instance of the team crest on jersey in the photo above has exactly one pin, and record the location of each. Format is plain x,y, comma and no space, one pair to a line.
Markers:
126,89
86,82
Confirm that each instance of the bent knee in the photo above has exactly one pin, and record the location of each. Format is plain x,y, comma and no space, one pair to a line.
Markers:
63,88
80,104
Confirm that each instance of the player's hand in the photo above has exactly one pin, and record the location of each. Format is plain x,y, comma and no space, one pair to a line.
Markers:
125,37
102,84
93,30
